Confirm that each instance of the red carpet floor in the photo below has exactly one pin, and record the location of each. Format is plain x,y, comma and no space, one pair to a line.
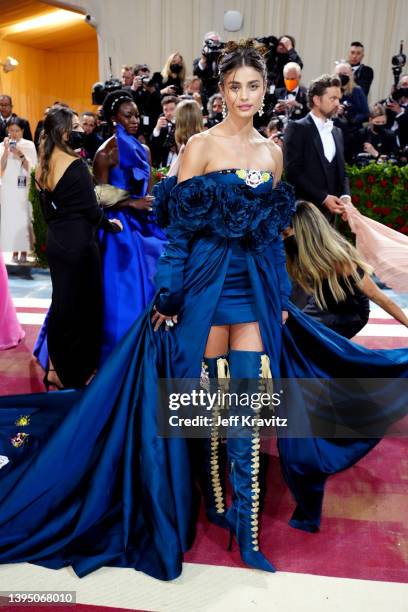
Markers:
364,532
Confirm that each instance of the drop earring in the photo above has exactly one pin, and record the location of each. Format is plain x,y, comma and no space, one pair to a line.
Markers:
224,109
261,110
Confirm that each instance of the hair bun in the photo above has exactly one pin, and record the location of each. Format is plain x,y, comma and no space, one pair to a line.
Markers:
233,46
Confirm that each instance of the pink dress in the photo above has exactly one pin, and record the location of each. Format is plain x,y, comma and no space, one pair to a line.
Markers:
382,247
11,331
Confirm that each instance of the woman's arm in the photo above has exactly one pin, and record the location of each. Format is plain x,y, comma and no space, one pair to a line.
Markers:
370,289
149,159
101,166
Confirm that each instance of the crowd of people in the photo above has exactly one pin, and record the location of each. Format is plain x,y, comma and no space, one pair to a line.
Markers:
192,282
375,132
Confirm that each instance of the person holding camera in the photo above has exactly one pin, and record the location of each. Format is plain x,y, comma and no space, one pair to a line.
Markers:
214,110
353,109
6,115
375,140
285,52
163,144
206,66
171,79
397,111
18,156
146,95
291,99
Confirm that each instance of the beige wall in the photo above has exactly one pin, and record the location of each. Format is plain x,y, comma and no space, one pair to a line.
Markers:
133,31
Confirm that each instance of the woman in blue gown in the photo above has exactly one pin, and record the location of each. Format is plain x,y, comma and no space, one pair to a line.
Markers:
86,480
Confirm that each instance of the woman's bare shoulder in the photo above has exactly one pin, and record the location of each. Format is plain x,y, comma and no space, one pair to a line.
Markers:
195,157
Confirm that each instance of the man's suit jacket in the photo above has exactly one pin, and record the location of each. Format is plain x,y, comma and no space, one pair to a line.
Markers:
363,76
281,93
3,128
305,163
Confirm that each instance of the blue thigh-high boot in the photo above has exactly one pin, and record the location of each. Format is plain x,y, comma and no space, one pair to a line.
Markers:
213,455
244,460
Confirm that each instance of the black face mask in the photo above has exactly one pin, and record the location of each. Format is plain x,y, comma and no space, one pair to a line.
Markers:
344,79
76,140
403,92
218,116
291,246
176,68
378,129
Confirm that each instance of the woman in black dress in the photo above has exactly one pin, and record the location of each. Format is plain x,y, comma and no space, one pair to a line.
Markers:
73,216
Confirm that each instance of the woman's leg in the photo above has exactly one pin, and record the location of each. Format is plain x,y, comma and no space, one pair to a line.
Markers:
218,341
211,455
246,337
247,361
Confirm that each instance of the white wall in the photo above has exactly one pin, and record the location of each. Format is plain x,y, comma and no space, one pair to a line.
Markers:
148,31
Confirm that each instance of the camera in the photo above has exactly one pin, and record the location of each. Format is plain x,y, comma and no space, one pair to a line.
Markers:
269,42
101,90
170,141
90,20
212,49
398,62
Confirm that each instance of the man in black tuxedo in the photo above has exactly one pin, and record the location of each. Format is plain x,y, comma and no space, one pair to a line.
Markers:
363,75
313,150
6,106
291,100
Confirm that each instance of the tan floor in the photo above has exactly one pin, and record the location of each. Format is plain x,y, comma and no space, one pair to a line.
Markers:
203,588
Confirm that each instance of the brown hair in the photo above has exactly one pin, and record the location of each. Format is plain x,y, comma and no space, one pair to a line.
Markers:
319,86
189,121
244,53
57,122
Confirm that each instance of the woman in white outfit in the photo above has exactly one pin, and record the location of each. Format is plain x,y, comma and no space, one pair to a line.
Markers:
17,157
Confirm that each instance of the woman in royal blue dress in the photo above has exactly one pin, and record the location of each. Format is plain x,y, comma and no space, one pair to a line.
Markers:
129,265
86,479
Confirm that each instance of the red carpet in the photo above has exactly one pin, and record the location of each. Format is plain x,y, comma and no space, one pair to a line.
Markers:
364,532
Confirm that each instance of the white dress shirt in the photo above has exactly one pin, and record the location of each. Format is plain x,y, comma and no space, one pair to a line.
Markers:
325,132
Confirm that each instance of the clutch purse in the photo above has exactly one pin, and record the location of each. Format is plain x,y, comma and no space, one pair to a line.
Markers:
109,195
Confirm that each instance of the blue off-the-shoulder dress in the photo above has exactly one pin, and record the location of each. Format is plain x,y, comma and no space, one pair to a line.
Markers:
85,479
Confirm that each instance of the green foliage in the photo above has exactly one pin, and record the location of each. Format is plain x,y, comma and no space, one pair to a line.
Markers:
39,225
380,191
159,173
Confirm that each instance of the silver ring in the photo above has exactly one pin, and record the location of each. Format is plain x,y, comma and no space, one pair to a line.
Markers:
169,323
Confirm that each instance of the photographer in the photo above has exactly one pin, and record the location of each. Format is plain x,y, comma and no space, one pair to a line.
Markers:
375,140
214,109
291,99
397,111
163,144
285,53
6,115
171,79
146,95
353,109
206,66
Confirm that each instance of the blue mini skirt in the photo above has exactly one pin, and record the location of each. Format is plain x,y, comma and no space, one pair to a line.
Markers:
237,302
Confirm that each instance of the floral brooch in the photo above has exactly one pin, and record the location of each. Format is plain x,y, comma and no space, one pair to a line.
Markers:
23,420
19,439
253,178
